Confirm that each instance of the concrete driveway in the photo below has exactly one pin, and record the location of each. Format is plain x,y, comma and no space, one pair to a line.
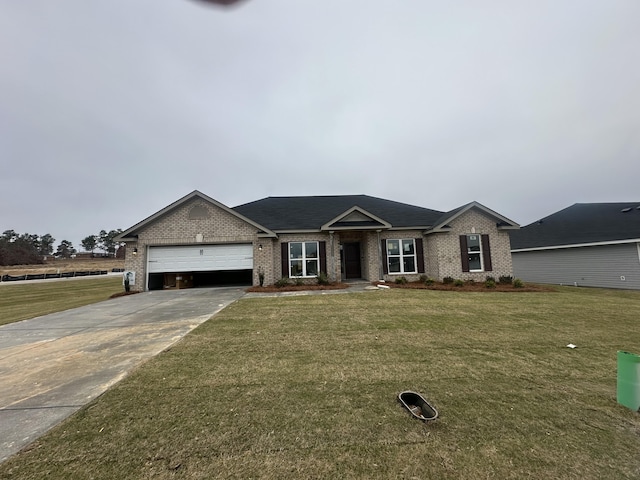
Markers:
50,366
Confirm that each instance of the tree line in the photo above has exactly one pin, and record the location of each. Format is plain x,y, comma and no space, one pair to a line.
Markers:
26,249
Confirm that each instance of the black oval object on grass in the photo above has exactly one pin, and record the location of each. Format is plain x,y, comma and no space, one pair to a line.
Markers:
417,406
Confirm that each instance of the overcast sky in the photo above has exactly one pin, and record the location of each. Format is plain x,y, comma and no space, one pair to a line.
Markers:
111,110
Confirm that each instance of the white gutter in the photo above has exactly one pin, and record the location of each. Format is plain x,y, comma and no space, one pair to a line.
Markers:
576,245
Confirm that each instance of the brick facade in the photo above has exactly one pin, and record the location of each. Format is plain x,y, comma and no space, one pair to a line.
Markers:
307,237
198,221
444,248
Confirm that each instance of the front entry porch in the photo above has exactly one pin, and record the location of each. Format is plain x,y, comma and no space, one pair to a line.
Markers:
350,261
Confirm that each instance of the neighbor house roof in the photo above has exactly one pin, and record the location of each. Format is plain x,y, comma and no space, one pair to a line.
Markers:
314,212
581,224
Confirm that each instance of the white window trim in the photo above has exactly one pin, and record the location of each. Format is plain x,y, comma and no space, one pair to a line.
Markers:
479,252
304,259
401,256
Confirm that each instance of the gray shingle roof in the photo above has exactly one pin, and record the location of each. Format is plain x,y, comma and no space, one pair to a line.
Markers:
581,223
310,213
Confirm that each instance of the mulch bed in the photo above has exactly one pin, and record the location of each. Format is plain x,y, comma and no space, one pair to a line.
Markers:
470,287
123,294
467,287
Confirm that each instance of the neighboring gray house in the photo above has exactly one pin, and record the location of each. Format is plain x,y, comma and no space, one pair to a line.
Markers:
586,244
197,241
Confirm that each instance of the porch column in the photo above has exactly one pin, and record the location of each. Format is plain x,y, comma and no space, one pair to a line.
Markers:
380,268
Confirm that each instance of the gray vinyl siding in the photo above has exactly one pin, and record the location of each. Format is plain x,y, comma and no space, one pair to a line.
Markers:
600,266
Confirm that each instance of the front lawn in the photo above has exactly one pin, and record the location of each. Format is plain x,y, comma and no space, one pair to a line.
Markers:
305,387
29,300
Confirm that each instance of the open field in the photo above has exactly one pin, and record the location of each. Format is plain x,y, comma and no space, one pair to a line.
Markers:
63,265
305,387
29,300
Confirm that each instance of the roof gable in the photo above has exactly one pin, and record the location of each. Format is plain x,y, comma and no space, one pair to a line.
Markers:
582,224
355,218
131,233
441,224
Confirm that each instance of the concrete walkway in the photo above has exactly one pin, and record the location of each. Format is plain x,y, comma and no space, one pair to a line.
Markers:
50,366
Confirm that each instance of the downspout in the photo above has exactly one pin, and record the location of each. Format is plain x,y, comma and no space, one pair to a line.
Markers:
146,268
332,277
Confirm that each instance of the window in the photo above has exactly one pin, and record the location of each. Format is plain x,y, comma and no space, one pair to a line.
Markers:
401,256
474,251
304,260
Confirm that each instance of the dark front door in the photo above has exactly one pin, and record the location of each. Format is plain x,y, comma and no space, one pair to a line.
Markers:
351,253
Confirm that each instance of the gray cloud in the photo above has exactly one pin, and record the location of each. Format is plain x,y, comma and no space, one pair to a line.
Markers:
110,111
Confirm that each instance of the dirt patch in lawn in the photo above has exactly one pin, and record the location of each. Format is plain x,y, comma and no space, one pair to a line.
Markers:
297,288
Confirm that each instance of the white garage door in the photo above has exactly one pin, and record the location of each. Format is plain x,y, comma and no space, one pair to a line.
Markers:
200,258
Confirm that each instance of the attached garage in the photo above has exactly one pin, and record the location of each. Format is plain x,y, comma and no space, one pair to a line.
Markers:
198,239
199,265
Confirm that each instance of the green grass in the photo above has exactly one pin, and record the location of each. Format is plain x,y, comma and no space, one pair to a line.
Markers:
305,387
29,300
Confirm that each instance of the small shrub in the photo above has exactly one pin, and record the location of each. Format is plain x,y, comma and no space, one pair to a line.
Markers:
283,282
401,280
429,281
322,279
423,278
490,284
447,280
470,282
458,283
505,280
299,281
490,278
261,278
517,283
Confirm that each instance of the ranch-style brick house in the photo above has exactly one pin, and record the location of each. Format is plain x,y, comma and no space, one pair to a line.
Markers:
198,241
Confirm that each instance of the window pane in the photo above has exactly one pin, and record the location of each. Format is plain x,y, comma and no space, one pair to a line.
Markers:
473,243
295,250
311,249
409,265
312,268
474,261
296,268
394,264
393,247
407,247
